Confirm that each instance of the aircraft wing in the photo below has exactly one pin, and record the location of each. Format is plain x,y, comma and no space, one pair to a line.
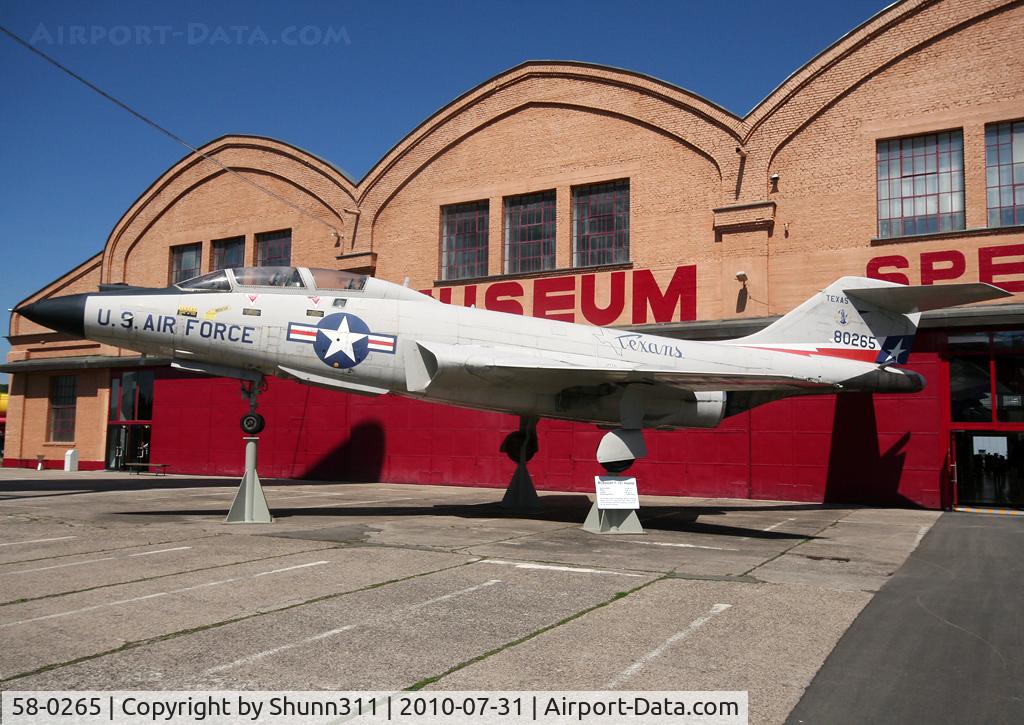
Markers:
443,364
907,300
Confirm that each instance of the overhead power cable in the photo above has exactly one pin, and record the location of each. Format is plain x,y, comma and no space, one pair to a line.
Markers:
150,122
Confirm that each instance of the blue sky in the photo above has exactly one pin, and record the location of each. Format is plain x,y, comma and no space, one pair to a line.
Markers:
344,80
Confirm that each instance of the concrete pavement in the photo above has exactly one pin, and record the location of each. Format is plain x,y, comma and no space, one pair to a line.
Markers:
110,582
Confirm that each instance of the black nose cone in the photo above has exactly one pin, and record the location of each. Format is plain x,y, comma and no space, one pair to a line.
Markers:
64,314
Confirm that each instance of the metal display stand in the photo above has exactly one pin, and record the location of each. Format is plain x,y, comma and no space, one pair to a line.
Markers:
250,505
614,511
612,521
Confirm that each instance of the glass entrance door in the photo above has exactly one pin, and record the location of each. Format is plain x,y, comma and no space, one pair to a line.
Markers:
130,418
990,468
117,441
127,444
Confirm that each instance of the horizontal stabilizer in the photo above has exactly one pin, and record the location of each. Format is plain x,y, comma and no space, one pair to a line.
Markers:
907,300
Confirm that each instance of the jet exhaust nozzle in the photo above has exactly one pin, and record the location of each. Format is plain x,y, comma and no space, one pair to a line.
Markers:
63,314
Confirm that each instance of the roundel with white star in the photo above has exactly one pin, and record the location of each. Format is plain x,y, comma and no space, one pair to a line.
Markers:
342,340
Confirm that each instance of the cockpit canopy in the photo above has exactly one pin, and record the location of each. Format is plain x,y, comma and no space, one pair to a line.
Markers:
226,280
297,279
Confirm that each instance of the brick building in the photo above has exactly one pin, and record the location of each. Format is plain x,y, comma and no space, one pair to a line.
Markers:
579,192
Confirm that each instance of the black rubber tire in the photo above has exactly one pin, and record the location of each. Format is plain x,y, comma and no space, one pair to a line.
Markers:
618,466
513,445
252,423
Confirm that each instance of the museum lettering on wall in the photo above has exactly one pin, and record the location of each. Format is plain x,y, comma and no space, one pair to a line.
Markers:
1001,265
635,296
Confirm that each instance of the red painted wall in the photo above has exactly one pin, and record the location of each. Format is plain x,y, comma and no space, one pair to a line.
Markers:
882,449
51,464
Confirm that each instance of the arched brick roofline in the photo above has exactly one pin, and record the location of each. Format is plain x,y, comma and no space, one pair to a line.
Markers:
948,32
321,171
876,25
701,109
407,178
215,172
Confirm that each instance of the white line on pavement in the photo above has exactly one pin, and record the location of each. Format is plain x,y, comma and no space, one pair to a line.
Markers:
38,541
552,567
56,566
90,561
161,551
331,632
775,526
452,595
275,650
660,650
335,504
290,568
311,493
682,546
153,596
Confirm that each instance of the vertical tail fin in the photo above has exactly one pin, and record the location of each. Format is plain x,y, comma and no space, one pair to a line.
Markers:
864,319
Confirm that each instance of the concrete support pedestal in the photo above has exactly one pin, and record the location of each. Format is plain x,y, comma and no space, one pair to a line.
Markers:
250,505
520,494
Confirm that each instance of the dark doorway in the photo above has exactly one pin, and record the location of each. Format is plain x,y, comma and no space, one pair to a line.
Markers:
990,468
127,444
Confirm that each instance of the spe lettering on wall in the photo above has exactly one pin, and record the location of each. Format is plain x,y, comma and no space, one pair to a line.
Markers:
1001,265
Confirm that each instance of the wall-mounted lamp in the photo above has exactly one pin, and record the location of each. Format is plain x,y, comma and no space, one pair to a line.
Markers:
774,179
743,294
742,152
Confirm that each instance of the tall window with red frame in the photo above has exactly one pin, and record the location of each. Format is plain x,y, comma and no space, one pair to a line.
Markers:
1004,168
274,249
987,377
63,402
186,262
530,233
464,240
920,184
131,397
600,231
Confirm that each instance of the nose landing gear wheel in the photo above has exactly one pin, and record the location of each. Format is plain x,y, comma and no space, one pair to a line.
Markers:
252,423
514,448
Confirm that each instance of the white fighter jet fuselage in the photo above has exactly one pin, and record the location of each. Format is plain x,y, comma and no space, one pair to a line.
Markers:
364,335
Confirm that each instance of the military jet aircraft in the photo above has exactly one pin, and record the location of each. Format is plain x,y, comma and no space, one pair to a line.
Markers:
363,335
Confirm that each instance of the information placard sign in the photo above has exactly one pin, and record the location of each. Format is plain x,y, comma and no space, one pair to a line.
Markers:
616,492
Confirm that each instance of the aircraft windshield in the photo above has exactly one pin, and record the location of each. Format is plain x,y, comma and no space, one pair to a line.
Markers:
323,279
214,281
335,279
268,277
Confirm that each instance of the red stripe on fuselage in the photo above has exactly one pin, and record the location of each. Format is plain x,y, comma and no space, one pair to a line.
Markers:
844,353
